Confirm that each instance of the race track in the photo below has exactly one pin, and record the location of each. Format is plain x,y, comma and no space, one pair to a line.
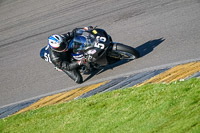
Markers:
164,31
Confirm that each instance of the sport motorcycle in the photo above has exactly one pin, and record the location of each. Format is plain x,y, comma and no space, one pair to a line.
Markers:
98,49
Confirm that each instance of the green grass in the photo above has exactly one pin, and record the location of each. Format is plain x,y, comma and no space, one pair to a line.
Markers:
173,108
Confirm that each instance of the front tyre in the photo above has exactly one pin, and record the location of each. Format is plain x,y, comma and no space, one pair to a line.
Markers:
121,51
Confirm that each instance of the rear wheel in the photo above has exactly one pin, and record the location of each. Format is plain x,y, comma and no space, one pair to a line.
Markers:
121,51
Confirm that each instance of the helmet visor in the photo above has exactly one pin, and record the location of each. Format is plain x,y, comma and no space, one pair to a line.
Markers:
63,47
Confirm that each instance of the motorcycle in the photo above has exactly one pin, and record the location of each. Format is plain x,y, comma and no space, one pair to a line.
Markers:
97,47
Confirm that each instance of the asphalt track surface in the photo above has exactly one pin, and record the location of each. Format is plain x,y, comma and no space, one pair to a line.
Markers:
165,32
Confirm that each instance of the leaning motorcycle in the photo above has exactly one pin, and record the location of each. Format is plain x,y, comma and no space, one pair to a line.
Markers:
97,47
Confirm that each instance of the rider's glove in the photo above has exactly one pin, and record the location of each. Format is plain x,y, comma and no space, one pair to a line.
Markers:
82,61
88,28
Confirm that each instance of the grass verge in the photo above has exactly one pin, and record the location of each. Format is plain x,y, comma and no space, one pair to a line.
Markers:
173,107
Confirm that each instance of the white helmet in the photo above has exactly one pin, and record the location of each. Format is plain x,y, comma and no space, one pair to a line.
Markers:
57,43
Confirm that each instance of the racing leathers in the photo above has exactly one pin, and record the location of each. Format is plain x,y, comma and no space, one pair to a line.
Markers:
64,61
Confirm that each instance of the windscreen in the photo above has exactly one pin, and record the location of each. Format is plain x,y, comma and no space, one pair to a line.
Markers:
82,41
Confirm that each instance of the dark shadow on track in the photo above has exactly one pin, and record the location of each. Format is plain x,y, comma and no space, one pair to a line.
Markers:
148,47
143,49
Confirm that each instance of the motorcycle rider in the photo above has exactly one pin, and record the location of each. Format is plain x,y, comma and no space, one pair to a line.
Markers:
60,54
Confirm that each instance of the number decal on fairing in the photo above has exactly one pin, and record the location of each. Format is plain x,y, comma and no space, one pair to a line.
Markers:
47,57
101,39
100,45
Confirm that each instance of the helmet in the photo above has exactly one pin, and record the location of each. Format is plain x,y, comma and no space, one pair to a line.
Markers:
57,43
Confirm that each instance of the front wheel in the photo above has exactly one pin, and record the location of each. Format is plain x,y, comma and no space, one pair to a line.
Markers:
121,51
